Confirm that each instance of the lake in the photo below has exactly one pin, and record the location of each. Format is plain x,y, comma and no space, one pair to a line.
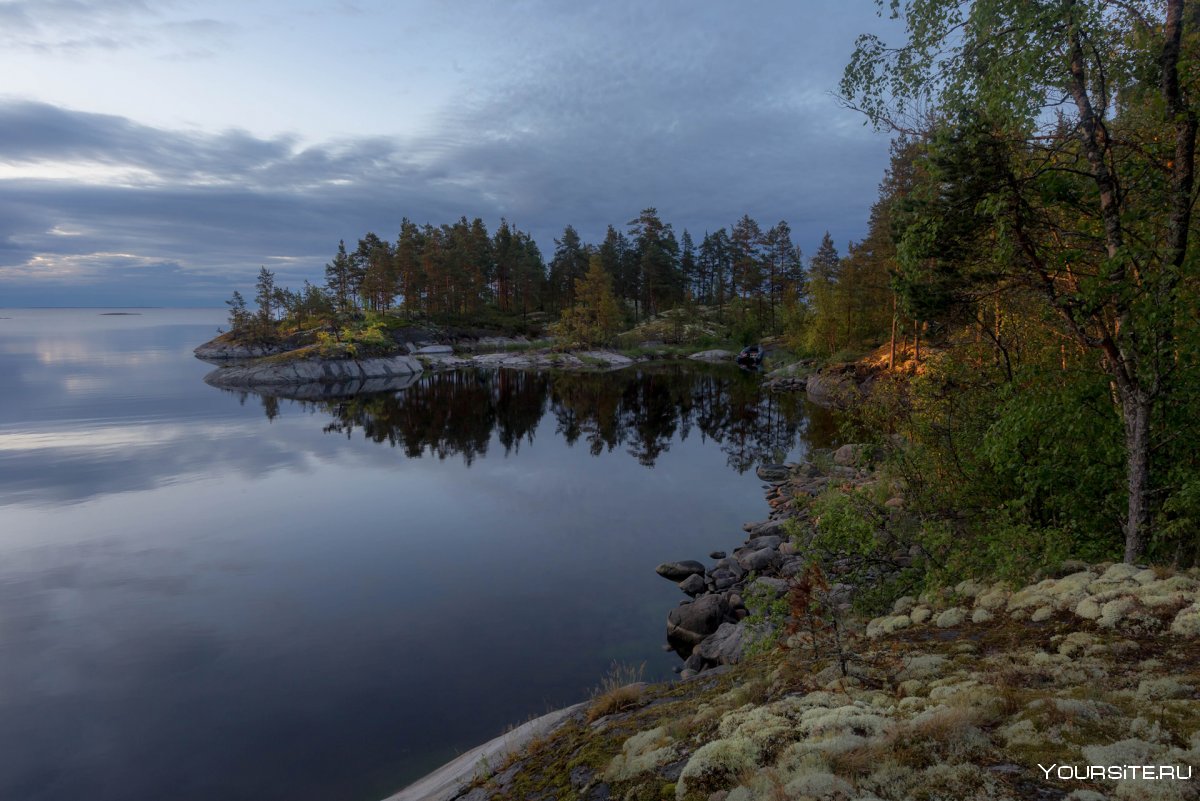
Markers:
213,595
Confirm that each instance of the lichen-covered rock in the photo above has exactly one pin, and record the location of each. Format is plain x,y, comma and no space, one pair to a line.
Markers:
1088,609
954,616
642,753
1114,611
716,765
887,624
1187,622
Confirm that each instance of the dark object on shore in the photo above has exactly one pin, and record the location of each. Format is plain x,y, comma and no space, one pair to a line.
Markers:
751,356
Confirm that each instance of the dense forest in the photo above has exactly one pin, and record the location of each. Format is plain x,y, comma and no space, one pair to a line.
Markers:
461,271
1036,226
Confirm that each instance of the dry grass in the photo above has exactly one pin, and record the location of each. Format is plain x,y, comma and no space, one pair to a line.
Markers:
619,690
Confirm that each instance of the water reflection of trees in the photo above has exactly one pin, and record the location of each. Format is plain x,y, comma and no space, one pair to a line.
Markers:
642,411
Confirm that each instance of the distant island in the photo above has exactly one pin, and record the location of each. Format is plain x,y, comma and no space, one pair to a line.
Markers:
455,295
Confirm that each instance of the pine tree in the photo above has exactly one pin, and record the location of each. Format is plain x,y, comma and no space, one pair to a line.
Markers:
824,265
265,296
569,263
337,278
239,318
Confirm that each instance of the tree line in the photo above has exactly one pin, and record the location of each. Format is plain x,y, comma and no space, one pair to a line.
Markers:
461,269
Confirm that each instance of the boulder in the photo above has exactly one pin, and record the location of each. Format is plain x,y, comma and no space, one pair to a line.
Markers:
687,626
434,350
693,584
769,528
772,541
605,358
833,390
773,472
726,644
730,564
678,571
773,587
759,560
851,455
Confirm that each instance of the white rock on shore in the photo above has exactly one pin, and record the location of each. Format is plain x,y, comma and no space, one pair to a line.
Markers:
712,356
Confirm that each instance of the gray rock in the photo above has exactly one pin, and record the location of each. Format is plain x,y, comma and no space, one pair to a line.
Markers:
678,571
769,528
792,567
717,555
759,560
770,541
599,793
433,350
311,371
218,351
773,472
773,587
693,584
835,390
605,358
477,794
580,776
687,626
726,645
731,564
850,455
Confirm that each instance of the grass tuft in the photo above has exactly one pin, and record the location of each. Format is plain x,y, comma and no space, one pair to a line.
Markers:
619,690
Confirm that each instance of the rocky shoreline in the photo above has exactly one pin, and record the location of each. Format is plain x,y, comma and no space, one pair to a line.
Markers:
250,366
714,626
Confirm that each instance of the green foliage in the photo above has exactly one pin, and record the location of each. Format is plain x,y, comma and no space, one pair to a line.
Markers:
767,619
1087,214
595,318
356,340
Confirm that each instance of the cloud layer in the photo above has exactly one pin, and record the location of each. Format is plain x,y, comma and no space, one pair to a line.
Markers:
704,114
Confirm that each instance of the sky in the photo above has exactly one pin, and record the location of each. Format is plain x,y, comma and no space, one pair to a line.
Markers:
157,152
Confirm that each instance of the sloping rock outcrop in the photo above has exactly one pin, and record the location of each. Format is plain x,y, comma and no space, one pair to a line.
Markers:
271,372
221,350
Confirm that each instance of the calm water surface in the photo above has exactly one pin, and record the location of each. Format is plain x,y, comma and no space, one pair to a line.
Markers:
207,595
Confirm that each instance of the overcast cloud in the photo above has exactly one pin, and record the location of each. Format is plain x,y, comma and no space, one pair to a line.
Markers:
166,150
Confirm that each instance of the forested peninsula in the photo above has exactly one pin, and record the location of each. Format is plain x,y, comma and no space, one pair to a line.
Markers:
996,576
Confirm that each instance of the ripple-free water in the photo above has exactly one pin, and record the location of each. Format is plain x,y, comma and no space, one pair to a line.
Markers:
207,595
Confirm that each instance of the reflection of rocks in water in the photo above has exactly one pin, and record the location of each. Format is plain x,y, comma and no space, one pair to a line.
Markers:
642,411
